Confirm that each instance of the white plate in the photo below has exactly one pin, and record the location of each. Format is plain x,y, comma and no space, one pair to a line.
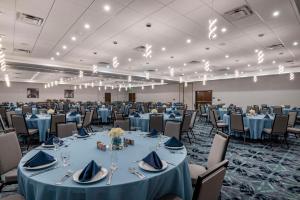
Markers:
174,148
42,166
47,146
100,175
79,136
149,168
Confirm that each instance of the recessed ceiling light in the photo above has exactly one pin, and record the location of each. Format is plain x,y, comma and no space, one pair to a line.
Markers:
106,7
273,62
226,56
295,43
52,58
256,50
73,38
57,53
260,70
249,65
188,41
276,13
196,72
64,47
228,68
129,59
203,60
169,67
163,48
223,30
87,26
184,64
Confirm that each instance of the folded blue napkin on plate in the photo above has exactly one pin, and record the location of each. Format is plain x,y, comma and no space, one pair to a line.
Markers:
173,142
172,116
137,115
82,132
267,117
173,108
177,113
49,141
153,160
73,113
41,158
33,116
89,171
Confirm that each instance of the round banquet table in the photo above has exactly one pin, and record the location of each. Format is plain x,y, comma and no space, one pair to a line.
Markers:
175,179
104,113
143,121
256,124
42,123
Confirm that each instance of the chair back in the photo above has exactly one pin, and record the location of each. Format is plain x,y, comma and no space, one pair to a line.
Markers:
209,184
56,118
131,110
236,123
277,110
172,129
3,112
95,114
119,116
212,118
10,152
82,110
65,129
19,124
2,125
193,119
26,109
181,111
218,149
156,121
280,124
8,117
87,120
123,124
216,114
292,118
186,123
161,109
248,109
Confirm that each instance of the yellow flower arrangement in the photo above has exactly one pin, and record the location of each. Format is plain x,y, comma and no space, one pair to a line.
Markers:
50,111
115,132
154,111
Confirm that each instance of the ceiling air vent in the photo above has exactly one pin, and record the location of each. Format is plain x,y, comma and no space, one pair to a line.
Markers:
195,62
22,51
238,13
30,19
275,46
140,48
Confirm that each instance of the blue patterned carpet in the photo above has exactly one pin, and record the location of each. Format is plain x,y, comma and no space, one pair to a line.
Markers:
256,171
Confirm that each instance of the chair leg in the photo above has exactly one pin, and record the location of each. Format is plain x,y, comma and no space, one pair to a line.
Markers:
285,139
187,133
244,137
211,130
1,186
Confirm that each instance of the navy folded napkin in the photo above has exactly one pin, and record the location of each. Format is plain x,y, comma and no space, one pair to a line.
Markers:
244,114
49,141
177,114
137,115
295,108
229,112
132,114
89,171
82,132
33,116
173,108
172,116
74,113
41,158
153,160
267,117
173,142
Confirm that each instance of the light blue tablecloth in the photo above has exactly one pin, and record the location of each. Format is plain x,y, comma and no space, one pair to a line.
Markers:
256,124
175,179
143,121
43,124
221,113
19,111
104,113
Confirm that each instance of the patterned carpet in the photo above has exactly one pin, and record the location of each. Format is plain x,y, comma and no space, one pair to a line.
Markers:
256,171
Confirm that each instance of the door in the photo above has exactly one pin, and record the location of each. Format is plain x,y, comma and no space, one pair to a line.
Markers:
107,97
203,97
131,97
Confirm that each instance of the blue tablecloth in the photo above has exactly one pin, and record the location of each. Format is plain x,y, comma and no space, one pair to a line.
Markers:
175,179
256,124
221,113
143,121
19,111
104,113
43,124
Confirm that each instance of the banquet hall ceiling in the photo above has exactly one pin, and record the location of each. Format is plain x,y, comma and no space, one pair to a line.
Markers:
119,28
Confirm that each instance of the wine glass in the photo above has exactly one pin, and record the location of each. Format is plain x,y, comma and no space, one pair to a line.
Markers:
65,157
56,143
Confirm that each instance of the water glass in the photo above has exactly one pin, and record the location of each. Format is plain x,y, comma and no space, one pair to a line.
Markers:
74,133
56,143
113,158
65,158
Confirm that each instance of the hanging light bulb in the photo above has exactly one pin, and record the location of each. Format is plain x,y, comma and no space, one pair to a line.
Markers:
45,86
92,84
112,87
236,73
152,86
280,69
172,72
292,76
147,75
204,79
207,66
162,81
80,74
185,84
254,79
80,87
99,88
125,88
105,87
115,62
95,69
100,83
142,87
148,51
75,87
260,57
7,81
85,85
129,78
180,79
